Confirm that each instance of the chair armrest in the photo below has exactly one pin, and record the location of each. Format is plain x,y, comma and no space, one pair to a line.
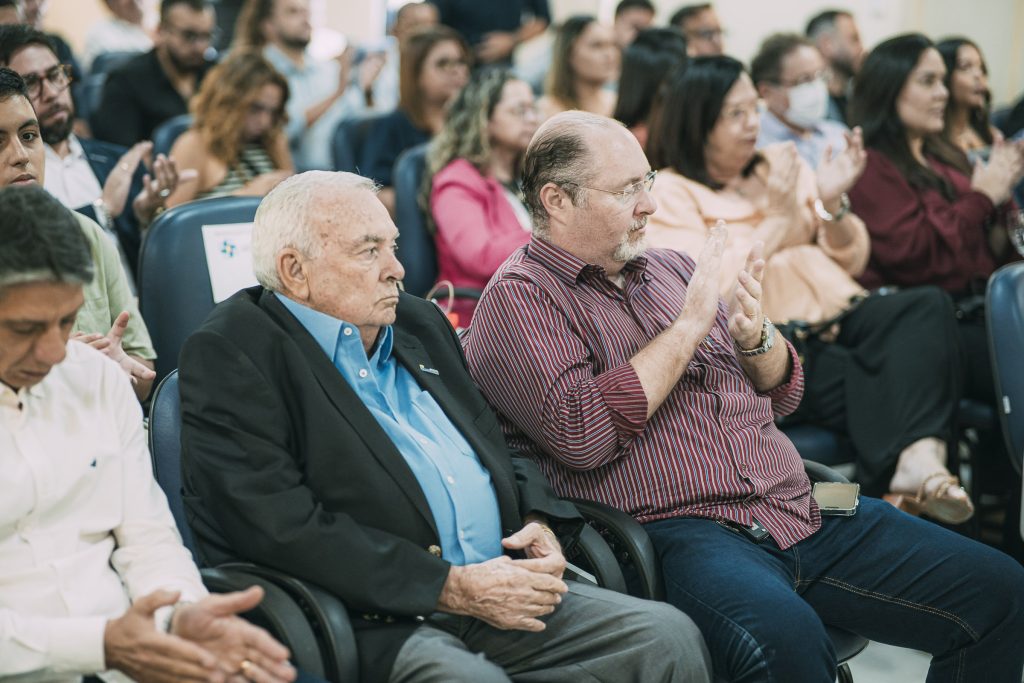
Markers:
327,615
817,472
630,544
278,613
467,293
592,553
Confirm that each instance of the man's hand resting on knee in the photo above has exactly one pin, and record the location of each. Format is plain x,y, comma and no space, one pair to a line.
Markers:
506,593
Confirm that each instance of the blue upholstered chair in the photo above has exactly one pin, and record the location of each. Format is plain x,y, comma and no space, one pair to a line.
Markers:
167,132
175,294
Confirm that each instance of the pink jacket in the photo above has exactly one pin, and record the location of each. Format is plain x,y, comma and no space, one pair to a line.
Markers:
477,228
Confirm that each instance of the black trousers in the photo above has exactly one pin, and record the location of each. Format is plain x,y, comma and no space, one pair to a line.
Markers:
893,376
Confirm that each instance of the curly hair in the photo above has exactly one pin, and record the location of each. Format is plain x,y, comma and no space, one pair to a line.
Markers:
464,135
222,103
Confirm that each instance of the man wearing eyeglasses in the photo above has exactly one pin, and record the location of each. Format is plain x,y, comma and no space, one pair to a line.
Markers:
103,181
622,375
792,79
703,30
147,90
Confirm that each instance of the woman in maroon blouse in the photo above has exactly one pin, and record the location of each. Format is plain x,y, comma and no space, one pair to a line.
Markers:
933,219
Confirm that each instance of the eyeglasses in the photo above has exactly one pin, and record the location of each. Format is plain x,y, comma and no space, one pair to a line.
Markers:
824,75
59,78
257,108
626,196
524,111
447,64
708,34
194,37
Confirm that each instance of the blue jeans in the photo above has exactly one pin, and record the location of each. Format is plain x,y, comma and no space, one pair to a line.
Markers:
882,574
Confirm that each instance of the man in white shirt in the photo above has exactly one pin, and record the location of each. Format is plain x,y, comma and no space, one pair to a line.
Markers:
121,32
94,575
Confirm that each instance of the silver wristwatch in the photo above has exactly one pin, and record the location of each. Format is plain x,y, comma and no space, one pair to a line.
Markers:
767,341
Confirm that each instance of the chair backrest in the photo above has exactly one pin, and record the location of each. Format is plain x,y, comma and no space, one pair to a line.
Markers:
107,61
175,294
165,450
418,252
347,143
1004,311
167,132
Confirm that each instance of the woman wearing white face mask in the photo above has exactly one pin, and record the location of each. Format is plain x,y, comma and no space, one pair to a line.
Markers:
867,375
792,80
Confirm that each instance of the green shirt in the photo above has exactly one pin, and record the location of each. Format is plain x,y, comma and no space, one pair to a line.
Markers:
108,294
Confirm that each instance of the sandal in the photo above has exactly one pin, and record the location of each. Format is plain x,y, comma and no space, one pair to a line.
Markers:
935,504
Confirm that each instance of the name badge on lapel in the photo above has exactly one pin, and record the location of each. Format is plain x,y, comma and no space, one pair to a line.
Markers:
432,371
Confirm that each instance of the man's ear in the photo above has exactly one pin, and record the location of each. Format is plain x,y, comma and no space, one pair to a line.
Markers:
293,272
554,199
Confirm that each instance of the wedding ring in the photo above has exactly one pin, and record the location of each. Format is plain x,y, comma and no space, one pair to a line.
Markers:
245,666
165,193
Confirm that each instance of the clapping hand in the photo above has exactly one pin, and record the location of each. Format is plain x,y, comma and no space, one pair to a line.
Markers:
838,173
157,185
747,318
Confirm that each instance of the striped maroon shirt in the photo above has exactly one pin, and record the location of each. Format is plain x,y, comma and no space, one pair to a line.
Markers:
550,347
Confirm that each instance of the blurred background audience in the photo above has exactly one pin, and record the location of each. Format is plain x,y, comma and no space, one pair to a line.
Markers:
585,62
237,143
472,181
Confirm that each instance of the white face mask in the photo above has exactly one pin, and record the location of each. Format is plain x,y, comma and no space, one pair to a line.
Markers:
808,103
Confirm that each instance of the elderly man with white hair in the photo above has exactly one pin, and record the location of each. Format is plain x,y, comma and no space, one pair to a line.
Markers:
331,430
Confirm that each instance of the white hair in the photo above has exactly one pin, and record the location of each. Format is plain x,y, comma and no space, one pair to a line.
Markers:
286,215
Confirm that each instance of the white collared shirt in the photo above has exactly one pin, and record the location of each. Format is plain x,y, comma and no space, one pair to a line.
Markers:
83,524
70,179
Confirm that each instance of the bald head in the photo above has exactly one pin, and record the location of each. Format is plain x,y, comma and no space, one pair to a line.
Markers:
560,153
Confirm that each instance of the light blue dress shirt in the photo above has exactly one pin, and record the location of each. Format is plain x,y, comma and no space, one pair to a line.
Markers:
457,487
809,147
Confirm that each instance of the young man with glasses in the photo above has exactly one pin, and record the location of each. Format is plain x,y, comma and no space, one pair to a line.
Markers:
155,86
792,79
703,30
103,181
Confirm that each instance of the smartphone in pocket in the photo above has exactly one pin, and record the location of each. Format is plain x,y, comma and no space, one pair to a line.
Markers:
837,498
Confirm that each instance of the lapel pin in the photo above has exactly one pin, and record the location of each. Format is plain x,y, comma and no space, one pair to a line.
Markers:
432,371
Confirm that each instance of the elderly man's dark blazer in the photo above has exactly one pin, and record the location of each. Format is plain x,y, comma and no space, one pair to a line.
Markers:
284,466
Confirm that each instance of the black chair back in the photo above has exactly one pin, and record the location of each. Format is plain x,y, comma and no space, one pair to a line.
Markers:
1004,311
105,62
175,294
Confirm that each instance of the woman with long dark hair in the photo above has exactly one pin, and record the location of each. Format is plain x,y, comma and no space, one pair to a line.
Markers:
967,113
585,61
866,374
652,55
933,219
